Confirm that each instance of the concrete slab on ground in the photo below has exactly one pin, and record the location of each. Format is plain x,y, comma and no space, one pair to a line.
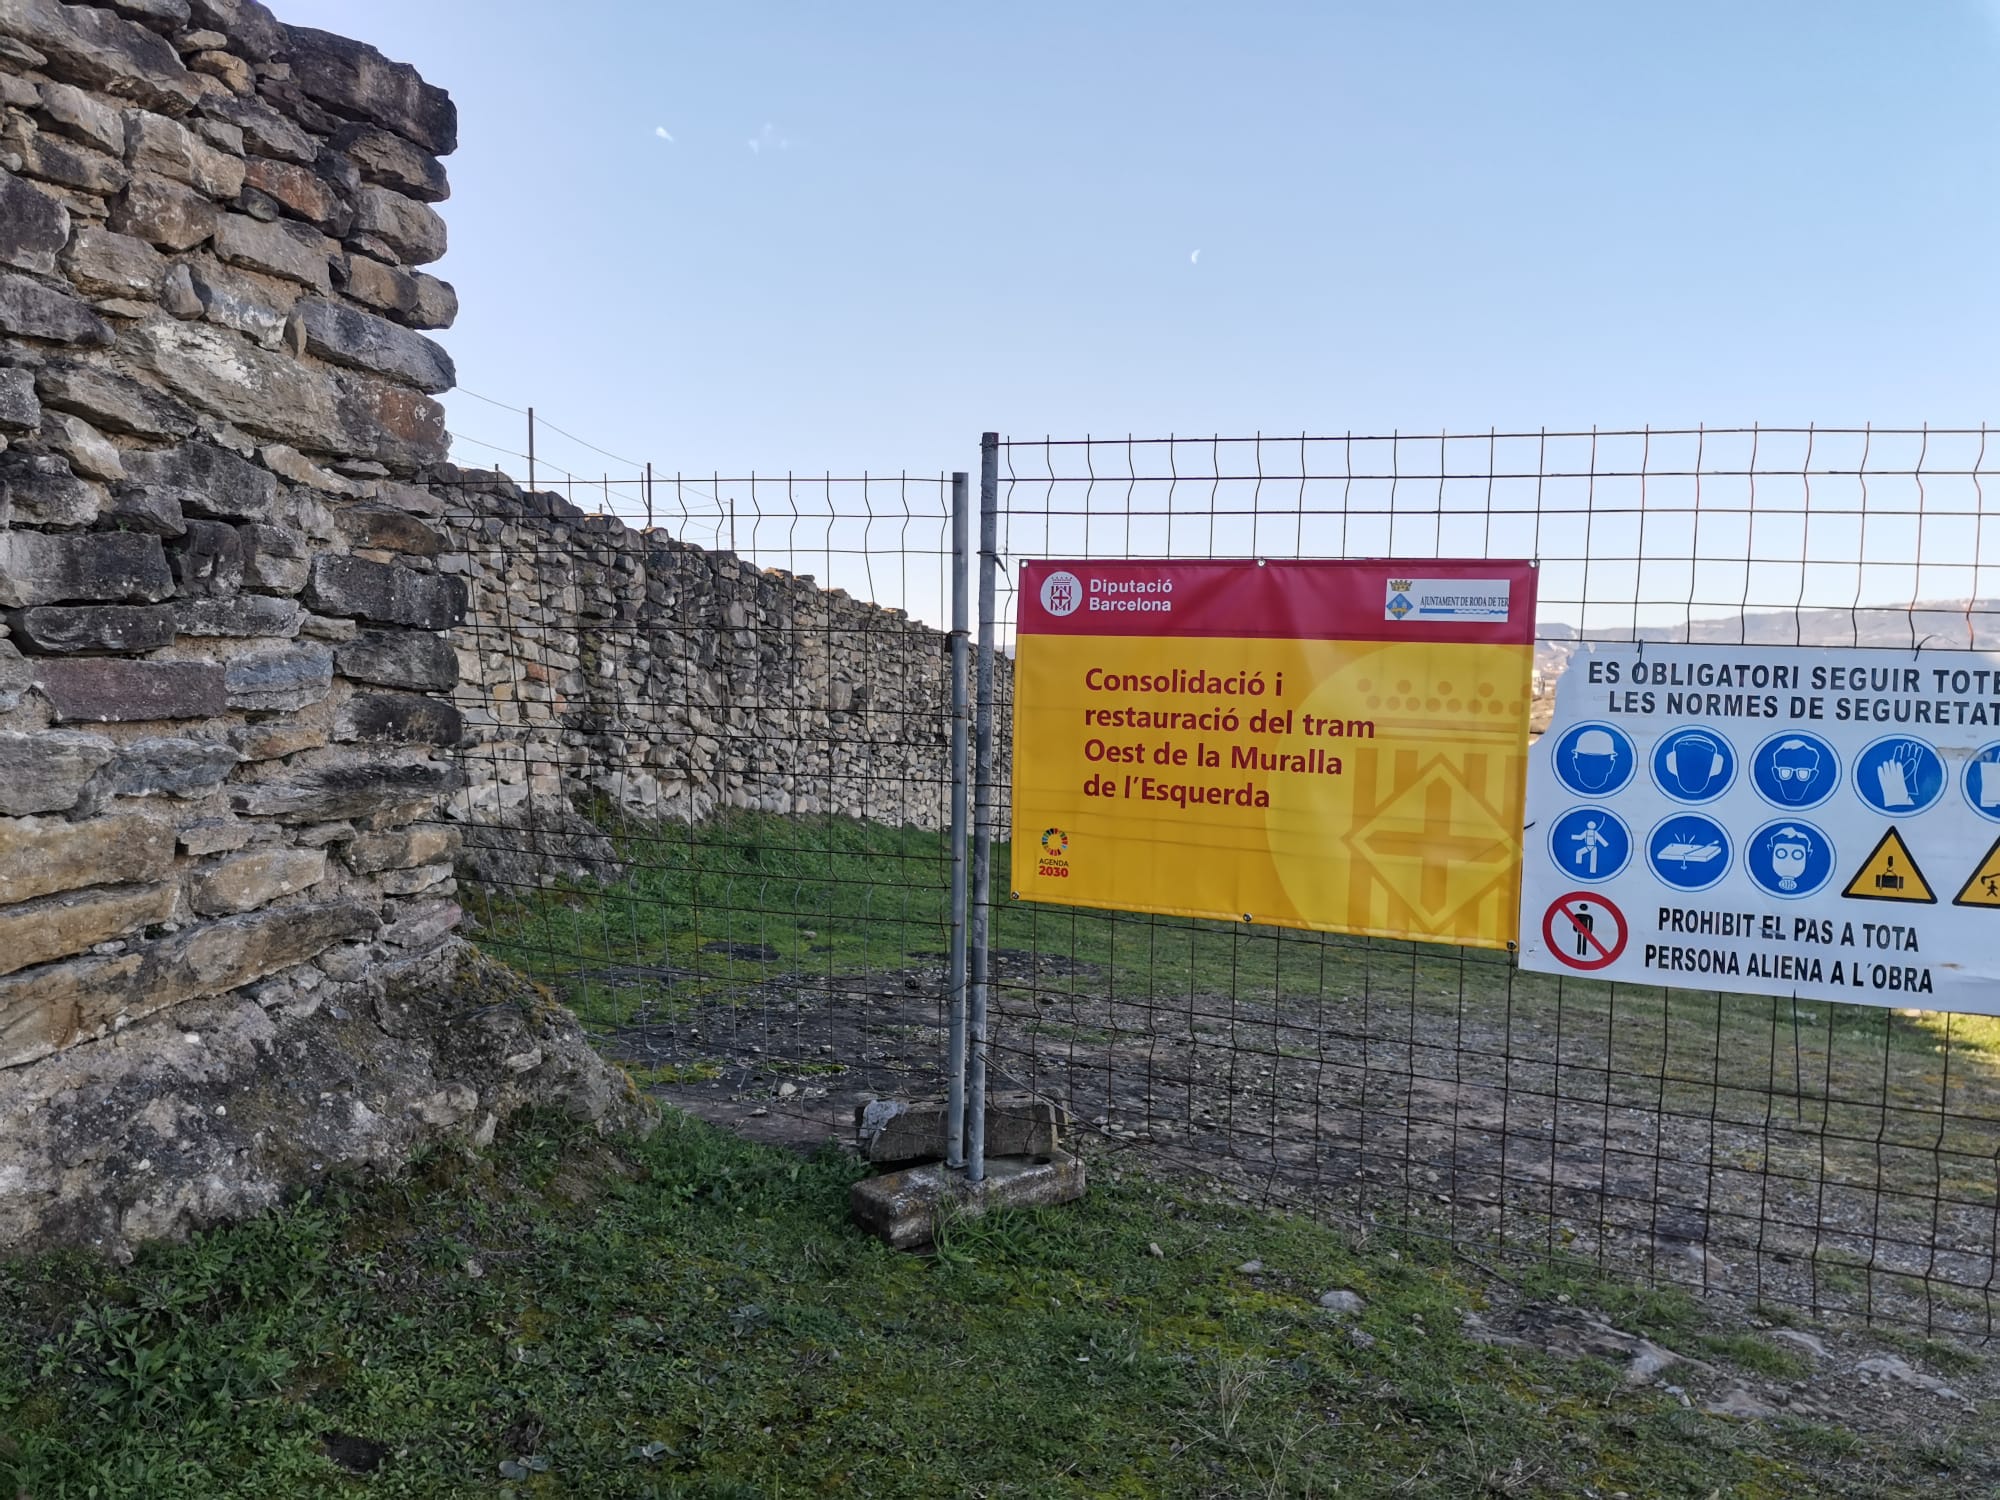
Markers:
903,1208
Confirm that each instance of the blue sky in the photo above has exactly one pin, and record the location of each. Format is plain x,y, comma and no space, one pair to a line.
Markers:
878,229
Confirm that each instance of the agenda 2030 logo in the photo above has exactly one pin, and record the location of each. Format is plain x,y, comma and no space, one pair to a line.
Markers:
1053,863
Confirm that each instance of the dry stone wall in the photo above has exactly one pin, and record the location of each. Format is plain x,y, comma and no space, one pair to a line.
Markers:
225,722
646,676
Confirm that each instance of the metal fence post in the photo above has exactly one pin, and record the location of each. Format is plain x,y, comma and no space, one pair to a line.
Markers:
982,809
961,722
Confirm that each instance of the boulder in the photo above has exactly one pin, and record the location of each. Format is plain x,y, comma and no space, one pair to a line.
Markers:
39,856
348,336
34,311
278,249
239,615
62,628
342,791
206,481
37,932
244,882
47,771
165,767
398,719
390,161
115,402
354,79
106,689
45,489
171,216
154,143
385,593
412,230
400,659
283,678
33,226
107,567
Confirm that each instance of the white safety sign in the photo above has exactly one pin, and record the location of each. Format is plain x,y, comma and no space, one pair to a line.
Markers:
1799,821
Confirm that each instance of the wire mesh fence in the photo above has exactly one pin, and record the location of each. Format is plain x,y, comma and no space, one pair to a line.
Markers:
709,791
1834,1157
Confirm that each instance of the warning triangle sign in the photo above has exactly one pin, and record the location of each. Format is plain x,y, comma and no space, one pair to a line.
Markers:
1890,874
1982,887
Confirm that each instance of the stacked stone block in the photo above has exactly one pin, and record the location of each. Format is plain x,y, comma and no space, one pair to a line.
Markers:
642,675
224,721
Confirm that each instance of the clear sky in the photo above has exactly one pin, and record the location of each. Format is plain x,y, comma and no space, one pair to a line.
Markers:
870,231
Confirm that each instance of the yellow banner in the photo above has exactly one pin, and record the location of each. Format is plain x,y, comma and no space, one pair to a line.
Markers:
1371,787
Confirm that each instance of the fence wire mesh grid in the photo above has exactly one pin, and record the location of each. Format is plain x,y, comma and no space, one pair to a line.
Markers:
708,802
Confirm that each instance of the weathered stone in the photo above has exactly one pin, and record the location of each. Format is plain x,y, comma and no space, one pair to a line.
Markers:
162,15
58,161
59,628
113,265
412,230
20,52
105,689
399,719
243,882
236,302
97,48
83,117
250,26
269,739
289,463
305,193
344,791
46,771
39,856
110,400
285,677
45,490
400,849
214,835
177,292
275,396
207,481
329,628
136,507
232,70
165,768
390,161
422,924
171,216
20,410
399,658
358,81
277,248
156,144
89,452
903,1208
111,567
208,559
275,559
35,311
385,593
57,1005
239,615
433,878
17,676
33,226
348,336
265,131
412,298
387,422
37,932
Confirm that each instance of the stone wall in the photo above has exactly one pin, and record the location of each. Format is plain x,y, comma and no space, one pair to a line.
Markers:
660,680
224,711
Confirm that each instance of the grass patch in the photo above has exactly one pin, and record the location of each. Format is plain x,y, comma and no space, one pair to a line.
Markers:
692,1316
1760,1355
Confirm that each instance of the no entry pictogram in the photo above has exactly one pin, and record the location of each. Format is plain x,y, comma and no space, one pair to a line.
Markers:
1584,931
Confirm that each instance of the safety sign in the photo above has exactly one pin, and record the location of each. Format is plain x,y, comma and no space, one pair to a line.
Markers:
1584,931
1770,820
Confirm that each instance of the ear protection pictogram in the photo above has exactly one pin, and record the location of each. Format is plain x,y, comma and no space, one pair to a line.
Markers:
1691,743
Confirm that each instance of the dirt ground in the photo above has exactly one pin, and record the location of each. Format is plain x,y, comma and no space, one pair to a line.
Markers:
1409,1119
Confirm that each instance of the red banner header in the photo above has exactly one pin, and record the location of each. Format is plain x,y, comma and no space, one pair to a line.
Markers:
1476,601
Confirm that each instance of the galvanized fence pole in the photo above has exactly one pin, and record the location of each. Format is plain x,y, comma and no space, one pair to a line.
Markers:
961,723
982,810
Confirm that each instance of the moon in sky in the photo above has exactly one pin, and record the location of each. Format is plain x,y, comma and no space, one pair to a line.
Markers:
1195,259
